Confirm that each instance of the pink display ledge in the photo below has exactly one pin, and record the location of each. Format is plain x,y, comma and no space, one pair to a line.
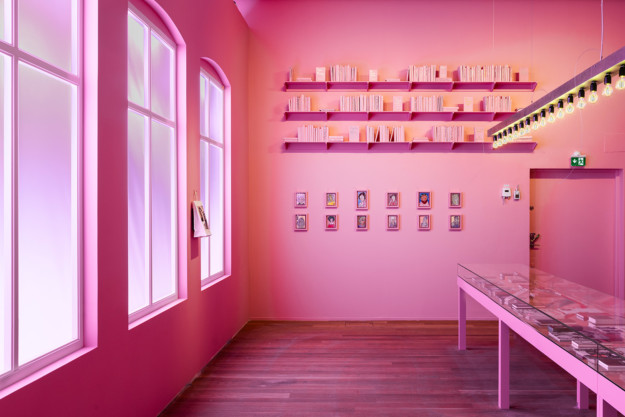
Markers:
410,86
412,146
396,116
610,397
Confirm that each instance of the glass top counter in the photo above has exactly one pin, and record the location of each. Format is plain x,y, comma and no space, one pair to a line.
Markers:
588,324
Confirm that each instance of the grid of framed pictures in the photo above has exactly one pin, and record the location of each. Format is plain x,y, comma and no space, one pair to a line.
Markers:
424,201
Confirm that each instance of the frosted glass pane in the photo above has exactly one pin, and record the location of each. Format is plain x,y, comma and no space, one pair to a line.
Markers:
5,20
203,106
163,180
162,81
216,99
216,208
48,30
47,226
137,61
138,219
204,242
5,214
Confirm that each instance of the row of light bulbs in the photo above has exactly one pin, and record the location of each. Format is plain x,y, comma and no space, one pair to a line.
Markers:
557,110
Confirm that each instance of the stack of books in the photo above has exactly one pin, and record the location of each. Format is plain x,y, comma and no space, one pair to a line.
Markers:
422,104
301,103
343,73
497,104
485,73
309,133
448,133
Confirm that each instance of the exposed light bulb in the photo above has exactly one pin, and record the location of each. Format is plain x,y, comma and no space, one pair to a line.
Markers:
535,125
607,85
593,92
552,114
543,117
527,126
522,128
620,84
570,107
581,101
515,134
560,113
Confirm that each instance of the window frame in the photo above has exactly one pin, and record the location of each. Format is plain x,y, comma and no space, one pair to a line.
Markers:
11,49
210,78
151,116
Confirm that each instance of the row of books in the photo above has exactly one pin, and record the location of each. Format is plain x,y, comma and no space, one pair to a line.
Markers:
497,103
340,73
361,103
310,133
448,133
486,73
421,103
427,73
385,134
301,103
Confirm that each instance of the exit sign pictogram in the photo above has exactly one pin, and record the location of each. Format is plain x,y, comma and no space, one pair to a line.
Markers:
578,161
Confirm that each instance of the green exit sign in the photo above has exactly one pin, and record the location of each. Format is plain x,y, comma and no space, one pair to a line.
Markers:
578,161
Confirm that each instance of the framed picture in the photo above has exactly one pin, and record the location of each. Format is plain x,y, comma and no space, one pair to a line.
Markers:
362,199
200,224
332,221
301,222
332,200
392,200
301,199
455,222
424,222
362,222
424,199
392,222
455,200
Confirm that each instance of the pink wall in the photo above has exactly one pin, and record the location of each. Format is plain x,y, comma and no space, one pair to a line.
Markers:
406,274
137,372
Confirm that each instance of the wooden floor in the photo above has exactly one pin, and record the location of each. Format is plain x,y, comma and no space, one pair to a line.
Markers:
373,369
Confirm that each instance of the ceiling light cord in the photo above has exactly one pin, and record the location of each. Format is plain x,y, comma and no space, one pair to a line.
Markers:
601,49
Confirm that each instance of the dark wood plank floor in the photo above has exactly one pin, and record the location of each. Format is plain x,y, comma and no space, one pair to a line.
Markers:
373,369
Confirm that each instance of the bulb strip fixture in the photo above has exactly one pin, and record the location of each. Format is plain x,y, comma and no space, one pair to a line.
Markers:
584,87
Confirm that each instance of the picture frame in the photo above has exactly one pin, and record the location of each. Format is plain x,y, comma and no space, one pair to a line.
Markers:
424,199
332,222
301,223
362,222
392,222
301,199
424,222
332,200
455,222
392,200
362,199
455,199
200,222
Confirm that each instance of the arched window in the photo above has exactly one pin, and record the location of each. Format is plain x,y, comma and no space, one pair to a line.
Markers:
212,172
152,172
40,184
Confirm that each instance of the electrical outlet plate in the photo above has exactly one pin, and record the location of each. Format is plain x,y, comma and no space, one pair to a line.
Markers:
505,192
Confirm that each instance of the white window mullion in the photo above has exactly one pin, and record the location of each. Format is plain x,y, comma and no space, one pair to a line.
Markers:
13,210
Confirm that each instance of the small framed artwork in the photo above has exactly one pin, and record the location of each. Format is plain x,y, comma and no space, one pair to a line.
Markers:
332,200
424,199
332,221
392,200
392,222
424,222
455,222
362,222
455,200
301,222
362,199
301,199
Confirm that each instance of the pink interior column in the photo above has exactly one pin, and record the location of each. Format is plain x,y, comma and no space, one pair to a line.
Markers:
604,409
582,396
504,365
462,320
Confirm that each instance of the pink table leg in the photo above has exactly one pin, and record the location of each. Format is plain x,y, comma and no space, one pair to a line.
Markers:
504,365
582,396
604,409
462,320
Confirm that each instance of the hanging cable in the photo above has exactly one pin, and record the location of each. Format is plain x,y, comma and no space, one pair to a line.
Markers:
601,49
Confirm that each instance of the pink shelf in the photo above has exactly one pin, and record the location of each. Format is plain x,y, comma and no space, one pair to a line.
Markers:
433,116
432,85
430,147
414,146
313,116
502,115
487,147
473,116
348,116
516,85
305,85
389,85
395,116
348,85
473,86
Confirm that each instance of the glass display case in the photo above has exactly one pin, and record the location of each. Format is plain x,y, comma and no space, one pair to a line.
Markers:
588,324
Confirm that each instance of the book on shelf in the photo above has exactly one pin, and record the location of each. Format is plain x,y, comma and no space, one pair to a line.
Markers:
393,80
524,74
426,104
450,108
290,73
335,139
479,134
361,103
442,72
423,73
320,74
304,79
373,75
343,73
300,103
354,133
397,103
309,133
582,343
485,73
497,104
468,104
448,133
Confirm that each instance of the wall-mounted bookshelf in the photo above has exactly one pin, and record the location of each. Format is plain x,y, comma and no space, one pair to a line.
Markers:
404,116
412,146
409,86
